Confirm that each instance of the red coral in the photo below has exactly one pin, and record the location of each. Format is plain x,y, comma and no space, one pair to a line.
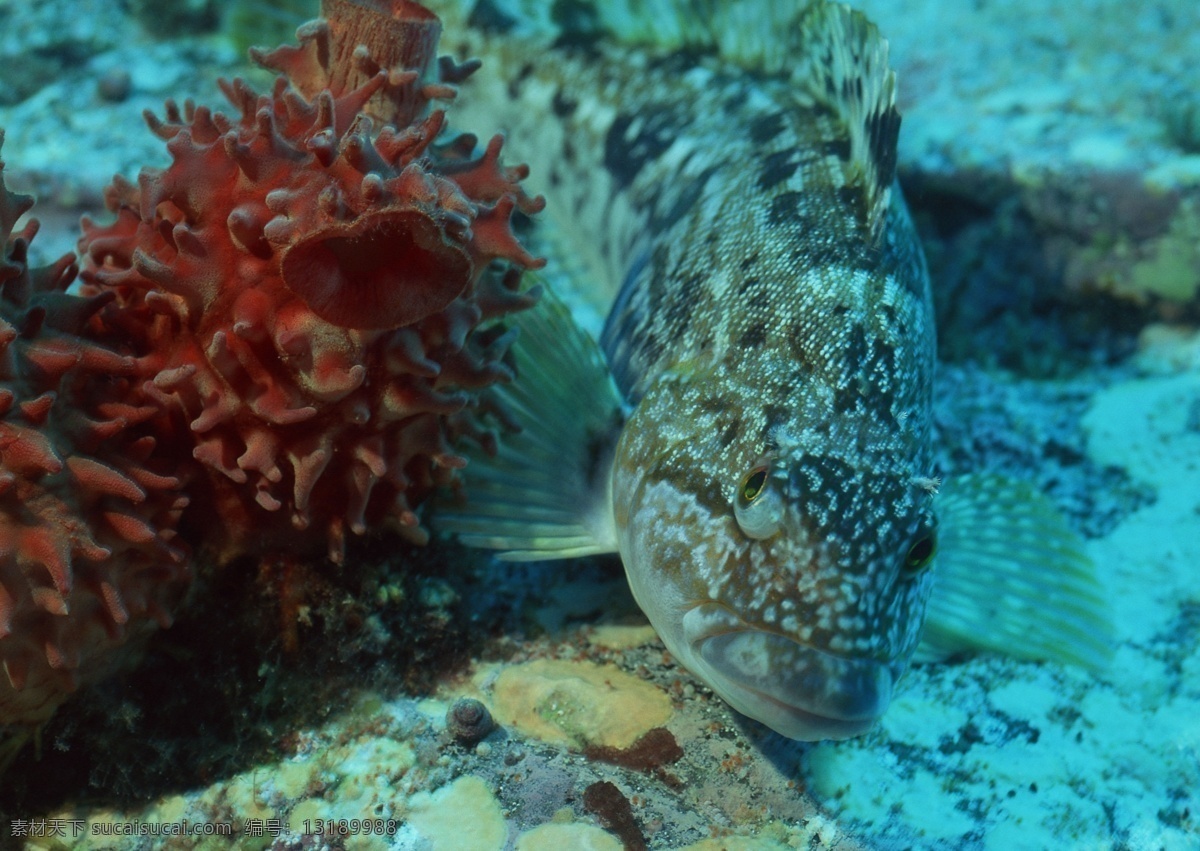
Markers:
88,556
307,290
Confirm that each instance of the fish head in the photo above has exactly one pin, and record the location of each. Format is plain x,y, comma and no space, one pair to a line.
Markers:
782,553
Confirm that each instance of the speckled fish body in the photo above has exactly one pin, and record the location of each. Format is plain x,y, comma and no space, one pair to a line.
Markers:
773,313
769,327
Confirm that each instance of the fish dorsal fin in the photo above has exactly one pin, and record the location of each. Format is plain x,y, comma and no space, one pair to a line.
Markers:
833,54
844,66
838,58
544,493
1012,578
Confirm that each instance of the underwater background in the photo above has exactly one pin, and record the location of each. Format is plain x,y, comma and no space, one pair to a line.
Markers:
1051,157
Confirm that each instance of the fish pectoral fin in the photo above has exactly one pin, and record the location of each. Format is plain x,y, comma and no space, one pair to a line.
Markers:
1012,577
545,492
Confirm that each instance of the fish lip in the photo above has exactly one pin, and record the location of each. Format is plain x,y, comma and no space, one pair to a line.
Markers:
796,723
805,693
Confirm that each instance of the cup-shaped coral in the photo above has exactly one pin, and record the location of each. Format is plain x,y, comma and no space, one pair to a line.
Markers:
88,553
312,282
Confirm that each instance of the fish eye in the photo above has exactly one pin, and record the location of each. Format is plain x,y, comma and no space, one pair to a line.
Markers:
753,484
920,554
756,507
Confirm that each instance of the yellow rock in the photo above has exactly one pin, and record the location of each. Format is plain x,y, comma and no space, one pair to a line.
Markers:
618,637
578,703
243,797
307,811
1170,270
360,766
577,837
464,816
292,778
171,809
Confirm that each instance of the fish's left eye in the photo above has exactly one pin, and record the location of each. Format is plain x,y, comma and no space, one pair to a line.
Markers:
753,484
920,554
756,507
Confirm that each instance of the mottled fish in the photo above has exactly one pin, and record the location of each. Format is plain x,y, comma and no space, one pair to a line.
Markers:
755,437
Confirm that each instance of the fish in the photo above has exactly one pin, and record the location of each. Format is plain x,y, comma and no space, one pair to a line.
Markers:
739,399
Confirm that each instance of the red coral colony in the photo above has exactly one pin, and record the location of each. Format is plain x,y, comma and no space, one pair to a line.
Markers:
280,336
88,555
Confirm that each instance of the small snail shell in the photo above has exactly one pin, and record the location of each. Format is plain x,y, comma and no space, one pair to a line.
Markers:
469,721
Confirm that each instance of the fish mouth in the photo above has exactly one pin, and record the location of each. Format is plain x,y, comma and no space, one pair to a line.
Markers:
795,689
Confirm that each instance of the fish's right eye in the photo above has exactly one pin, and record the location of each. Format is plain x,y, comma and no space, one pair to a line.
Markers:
920,554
